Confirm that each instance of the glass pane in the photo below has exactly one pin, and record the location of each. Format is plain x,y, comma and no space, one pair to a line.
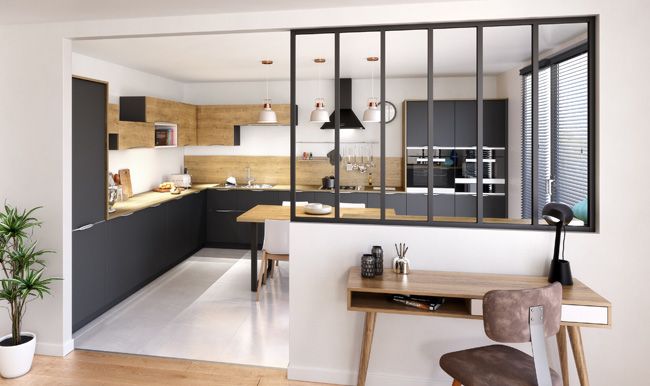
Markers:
360,123
407,134
564,118
507,125
314,137
454,125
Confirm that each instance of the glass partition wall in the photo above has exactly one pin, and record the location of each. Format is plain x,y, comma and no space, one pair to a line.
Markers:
470,124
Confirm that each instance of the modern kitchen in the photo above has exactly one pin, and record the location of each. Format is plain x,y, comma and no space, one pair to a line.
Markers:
195,145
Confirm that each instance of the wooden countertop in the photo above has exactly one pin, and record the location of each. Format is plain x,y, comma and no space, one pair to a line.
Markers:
277,212
148,199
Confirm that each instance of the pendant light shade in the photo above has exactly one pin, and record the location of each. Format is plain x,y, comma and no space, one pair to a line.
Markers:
319,114
267,115
372,113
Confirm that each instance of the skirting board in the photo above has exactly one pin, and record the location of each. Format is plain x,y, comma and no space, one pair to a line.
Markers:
343,377
53,349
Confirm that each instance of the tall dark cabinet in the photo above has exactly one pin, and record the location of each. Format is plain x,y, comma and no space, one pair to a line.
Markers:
89,228
89,107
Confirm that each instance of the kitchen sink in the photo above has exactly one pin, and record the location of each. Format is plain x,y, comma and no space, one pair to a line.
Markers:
254,186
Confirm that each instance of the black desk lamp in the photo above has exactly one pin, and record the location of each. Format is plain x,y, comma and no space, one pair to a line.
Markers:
559,215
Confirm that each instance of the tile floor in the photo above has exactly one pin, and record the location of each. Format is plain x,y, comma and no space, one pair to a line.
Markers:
202,309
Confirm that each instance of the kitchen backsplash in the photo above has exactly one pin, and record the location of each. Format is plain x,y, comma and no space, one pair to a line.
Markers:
275,170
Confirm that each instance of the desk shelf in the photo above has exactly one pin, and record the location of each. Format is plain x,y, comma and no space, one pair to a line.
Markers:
381,302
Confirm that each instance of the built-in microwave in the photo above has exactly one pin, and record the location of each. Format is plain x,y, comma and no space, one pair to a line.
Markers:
165,134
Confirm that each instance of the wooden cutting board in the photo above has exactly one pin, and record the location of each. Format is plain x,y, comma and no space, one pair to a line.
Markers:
125,180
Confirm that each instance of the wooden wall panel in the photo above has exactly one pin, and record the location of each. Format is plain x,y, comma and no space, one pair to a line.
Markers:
276,170
215,123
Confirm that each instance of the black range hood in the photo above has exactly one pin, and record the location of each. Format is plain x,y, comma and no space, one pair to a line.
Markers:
348,119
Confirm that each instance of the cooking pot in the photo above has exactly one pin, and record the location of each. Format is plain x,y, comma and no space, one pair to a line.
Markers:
329,182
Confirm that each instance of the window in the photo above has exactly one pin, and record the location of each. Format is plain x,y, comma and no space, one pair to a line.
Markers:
562,134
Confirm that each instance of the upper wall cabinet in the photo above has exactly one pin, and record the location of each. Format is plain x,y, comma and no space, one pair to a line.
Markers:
219,124
150,109
128,135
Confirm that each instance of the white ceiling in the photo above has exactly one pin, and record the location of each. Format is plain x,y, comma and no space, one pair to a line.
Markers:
236,57
39,11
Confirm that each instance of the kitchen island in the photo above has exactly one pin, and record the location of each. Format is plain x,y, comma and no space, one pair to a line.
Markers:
258,214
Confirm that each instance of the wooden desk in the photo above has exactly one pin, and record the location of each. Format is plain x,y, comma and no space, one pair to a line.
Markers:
259,213
581,306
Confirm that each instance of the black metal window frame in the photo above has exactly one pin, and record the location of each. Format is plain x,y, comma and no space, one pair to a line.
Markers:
590,20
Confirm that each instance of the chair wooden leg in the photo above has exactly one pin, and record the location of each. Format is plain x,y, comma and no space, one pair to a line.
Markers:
564,359
456,383
261,278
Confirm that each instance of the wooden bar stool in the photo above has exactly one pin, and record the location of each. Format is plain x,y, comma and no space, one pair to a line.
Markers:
511,316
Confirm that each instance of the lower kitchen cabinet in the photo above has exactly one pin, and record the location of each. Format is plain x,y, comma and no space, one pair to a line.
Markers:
465,205
91,252
223,228
354,197
495,207
394,200
443,205
416,204
113,259
325,198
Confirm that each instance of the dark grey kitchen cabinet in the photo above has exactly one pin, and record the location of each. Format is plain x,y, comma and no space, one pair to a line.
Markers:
326,198
444,123
305,196
91,252
416,204
222,199
89,178
465,123
465,205
495,122
124,270
396,201
223,228
416,123
247,199
353,197
443,205
495,207
179,229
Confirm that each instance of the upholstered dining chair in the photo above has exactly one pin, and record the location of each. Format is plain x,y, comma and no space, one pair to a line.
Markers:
275,248
511,316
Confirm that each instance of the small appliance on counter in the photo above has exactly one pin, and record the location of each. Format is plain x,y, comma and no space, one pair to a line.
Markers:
180,180
328,182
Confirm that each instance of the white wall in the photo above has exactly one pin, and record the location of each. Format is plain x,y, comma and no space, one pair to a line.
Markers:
275,140
148,166
35,138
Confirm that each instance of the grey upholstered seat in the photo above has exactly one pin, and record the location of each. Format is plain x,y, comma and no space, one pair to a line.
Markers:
493,365
507,318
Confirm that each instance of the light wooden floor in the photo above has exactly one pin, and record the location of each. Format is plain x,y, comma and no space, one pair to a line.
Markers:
98,368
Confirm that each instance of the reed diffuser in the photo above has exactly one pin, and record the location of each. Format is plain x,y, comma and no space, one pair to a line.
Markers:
401,264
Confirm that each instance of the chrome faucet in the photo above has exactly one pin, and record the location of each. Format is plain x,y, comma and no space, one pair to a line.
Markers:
249,179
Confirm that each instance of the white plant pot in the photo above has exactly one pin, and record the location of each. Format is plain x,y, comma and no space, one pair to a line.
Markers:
16,361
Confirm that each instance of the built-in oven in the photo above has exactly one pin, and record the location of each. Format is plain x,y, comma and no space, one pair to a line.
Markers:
417,172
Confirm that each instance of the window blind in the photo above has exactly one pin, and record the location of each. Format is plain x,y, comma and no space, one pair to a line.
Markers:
526,147
570,137
562,134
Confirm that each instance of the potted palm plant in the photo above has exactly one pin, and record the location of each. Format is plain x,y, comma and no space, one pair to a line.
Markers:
21,281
